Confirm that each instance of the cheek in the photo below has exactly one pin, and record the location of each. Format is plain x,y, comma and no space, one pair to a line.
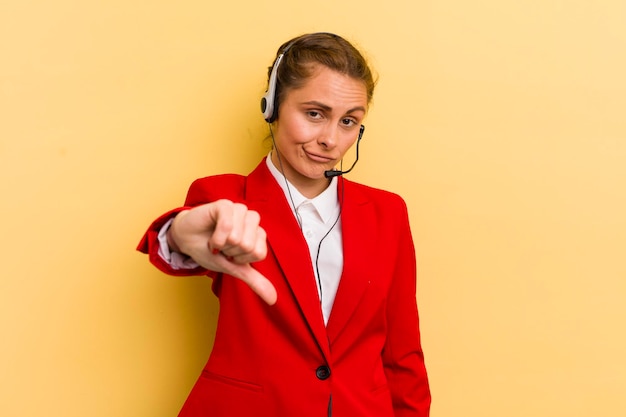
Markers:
347,143
299,131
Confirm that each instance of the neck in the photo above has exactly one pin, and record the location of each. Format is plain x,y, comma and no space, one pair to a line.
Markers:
308,187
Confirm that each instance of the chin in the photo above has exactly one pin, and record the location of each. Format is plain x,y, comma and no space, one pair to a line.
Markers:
315,173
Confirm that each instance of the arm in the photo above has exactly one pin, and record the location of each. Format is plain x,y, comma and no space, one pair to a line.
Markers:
221,237
402,356
151,245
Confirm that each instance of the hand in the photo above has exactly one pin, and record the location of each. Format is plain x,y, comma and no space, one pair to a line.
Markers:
224,237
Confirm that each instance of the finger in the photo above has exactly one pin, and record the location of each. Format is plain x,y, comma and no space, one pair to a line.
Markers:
253,246
261,286
253,278
229,225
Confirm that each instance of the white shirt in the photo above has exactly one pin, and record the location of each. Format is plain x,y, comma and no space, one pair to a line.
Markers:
320,222
318,217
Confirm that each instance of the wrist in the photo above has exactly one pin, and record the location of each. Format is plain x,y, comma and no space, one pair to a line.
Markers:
171,234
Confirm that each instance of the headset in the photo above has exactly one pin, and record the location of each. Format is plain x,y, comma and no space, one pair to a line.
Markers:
269,102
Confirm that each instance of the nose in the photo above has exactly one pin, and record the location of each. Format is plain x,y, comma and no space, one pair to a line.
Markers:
328,136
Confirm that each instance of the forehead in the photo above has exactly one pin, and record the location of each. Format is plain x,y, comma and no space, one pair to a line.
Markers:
330,87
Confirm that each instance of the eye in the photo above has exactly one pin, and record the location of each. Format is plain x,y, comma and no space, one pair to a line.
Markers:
314,114
348,122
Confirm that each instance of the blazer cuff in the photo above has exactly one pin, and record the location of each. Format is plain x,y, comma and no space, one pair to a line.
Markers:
151,245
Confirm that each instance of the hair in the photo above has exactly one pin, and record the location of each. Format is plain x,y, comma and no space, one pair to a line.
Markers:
301,54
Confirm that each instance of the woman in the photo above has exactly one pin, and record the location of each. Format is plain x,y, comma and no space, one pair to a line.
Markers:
315,274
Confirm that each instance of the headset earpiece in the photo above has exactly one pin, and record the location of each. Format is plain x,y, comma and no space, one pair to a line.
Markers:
269,102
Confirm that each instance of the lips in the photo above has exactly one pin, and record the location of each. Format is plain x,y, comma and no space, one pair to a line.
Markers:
318,158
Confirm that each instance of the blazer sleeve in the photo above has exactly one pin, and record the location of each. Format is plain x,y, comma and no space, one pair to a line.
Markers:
403,357
149,245
201,191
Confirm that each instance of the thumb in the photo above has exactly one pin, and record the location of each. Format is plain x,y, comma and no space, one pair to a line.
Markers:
254,279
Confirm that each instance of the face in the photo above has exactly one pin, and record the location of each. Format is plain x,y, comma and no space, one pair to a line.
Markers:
316,125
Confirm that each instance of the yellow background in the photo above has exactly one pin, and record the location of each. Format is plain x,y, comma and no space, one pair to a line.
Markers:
502,123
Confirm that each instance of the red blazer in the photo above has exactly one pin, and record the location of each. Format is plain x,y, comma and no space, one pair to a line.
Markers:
281,361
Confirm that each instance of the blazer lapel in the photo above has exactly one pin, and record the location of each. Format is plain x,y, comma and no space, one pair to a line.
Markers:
357,218
286,242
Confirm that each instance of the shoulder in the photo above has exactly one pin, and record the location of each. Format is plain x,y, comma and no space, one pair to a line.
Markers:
373,195
215,187
387,207
384,212
225,180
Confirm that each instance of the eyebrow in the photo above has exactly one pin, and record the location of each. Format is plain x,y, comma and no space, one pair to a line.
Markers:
328,108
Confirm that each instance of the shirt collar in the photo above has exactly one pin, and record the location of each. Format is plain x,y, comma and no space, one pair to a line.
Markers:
326,204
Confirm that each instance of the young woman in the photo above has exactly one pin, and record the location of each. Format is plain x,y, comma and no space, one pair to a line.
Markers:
315,274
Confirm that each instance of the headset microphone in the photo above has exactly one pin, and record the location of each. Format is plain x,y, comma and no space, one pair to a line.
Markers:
335,172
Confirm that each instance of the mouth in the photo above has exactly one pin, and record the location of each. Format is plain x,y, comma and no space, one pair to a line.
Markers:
318,158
